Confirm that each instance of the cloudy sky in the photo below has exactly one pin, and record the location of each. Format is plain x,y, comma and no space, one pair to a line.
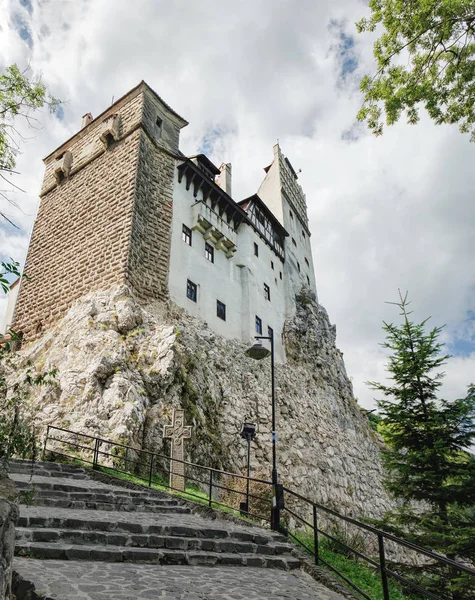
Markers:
385,213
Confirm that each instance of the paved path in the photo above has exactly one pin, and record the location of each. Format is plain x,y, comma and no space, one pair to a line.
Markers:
104,581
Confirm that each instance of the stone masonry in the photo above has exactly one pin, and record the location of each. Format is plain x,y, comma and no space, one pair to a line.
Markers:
8,516
106,217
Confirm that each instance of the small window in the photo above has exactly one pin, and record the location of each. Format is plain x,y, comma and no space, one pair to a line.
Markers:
256,249
291,214
280,274
298,266
186,235
271,265
308,280
191,290
270,332
209,252
303,234
221,310
258,325
275,281
307,263
158,126
294,242
266,292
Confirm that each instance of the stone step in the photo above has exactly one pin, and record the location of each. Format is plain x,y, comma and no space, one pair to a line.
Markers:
47,469
111,553
66,486
108,523
106,496
147,540
132,506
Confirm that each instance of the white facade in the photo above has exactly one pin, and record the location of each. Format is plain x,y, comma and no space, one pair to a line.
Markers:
261,247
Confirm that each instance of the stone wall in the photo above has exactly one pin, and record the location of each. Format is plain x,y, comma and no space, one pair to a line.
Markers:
8,517
122,369
108,220
81,233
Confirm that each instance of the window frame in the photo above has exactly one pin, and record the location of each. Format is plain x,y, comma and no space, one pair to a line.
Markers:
186,235
258,325
266,292
221,305
256,249
191,290
209,252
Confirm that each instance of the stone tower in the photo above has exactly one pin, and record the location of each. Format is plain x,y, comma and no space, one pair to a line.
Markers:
105,212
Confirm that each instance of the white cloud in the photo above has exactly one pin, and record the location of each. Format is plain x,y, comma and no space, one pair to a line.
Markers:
387,213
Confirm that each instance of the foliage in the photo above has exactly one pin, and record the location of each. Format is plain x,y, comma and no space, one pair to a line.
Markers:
17,427
20,97
11,268
425,55
360,573
427,458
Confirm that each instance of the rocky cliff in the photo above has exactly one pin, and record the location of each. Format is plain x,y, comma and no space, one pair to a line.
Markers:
122,368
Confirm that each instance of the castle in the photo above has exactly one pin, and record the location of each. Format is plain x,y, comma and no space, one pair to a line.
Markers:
121,204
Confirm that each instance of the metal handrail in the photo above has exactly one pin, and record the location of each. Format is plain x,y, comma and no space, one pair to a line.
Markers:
315,507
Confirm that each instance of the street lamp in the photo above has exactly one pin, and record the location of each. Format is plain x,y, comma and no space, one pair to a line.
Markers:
248,432
258,352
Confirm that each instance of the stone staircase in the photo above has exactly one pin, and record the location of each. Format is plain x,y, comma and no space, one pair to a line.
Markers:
78,537
74,517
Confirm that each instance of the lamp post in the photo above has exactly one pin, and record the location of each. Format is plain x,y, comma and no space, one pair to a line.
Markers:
248,432
258,352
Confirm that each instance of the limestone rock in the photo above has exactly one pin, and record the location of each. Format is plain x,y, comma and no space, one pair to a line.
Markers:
123,367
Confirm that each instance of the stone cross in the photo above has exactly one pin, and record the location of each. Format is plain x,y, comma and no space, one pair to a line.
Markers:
177,432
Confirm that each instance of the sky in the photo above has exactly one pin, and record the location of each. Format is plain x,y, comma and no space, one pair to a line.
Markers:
387,213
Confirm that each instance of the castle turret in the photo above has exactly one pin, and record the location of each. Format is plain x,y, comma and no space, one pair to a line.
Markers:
105,212
284,196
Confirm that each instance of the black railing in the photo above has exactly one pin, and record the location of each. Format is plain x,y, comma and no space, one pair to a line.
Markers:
385,550
154,469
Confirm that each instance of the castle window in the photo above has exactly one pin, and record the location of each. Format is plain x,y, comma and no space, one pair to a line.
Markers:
270,332
291,214
266,292
271,265
158,126
221,310
298,266
258,325
280,274
303,234
256,249
209,252
186,235
294,242
308,280
307,263
191,290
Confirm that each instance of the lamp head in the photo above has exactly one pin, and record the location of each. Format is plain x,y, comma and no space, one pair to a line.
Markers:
257,351
248,431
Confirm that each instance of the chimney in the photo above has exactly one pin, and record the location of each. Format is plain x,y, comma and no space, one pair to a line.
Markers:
87,118
224,178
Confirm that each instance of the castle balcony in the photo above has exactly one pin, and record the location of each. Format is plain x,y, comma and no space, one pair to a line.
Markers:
214,228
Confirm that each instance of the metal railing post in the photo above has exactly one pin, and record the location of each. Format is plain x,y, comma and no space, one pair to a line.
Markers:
382,564
210,491
315,534
150,473
126,459
96,454
44,445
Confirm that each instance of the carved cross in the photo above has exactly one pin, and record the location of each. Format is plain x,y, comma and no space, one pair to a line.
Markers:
178,432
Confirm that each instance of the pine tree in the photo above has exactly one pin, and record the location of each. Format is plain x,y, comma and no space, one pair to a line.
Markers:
429,466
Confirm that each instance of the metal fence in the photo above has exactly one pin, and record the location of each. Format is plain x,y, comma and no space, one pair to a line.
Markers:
311,522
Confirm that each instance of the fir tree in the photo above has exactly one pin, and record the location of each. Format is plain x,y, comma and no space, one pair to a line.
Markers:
428,440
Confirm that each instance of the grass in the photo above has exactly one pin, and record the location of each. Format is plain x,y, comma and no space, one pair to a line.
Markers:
362,575
192,492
